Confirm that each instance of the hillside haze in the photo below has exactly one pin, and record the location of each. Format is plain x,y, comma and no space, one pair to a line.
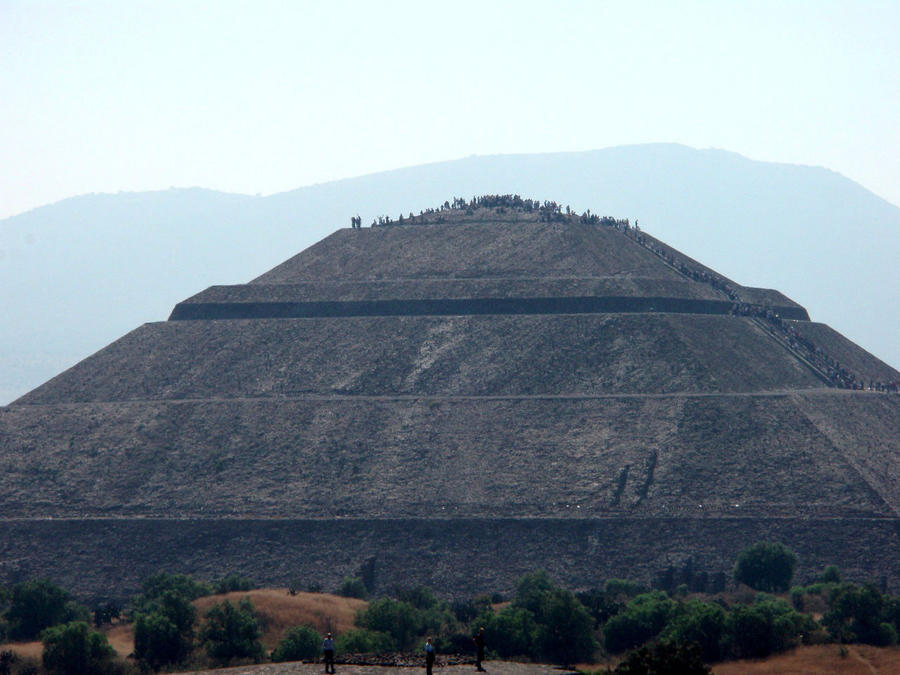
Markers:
81,272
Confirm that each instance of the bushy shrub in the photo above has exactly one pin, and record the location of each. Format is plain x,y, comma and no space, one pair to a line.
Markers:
862,614
39,604
530,590
510,632
74,649
400,620
819,588
565,628
749,630
701,623
680,658
600,604
232,633
542,622
887,634
419,597
158,584
769,626
454,643
164,632
362,641
465,611
234,582
352,587
157,641
300,643
105,612
766,566
830,575
623,588
641,620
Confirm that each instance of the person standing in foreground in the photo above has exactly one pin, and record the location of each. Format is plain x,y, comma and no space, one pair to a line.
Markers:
479,646
429,656
328,653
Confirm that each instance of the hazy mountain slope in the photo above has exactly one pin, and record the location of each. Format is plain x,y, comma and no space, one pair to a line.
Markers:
82,272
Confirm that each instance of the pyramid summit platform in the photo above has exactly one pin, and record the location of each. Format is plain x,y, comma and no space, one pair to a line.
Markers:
486,389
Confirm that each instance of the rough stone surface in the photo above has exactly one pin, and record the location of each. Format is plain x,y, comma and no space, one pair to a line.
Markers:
458,451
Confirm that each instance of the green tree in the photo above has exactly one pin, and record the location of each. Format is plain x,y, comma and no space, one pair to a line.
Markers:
300,643
530,590
39,604
510,632
701,623
600,604
232,632
157,641
618,589
543,622
830,575
566,629
860,614
766,566
164,632
641,620
420,597
363,641
750,632
180,584
74,649
352,587
234,582
104,613
403,622
770,625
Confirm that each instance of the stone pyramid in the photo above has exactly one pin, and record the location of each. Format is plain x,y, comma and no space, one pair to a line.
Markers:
456,399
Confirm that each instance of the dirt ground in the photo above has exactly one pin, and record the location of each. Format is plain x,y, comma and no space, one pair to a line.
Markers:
492,667
814,660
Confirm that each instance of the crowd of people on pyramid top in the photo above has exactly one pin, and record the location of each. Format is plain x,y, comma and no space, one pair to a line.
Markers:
838,375
547,211
550,211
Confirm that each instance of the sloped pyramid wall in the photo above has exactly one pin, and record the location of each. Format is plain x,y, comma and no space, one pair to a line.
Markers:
460,402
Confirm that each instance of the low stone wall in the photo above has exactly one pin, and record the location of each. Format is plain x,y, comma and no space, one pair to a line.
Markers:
460,557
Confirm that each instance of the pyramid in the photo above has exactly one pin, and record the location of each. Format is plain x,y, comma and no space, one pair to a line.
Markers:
456,399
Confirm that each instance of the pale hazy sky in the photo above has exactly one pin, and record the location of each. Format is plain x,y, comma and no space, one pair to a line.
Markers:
268,96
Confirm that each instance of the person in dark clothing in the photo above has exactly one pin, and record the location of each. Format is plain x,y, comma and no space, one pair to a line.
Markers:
479,647
429,656
328,653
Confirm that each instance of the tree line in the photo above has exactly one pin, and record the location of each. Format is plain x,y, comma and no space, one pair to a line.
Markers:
760,615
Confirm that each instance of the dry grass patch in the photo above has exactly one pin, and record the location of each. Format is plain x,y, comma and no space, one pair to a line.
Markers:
121,638
820,660
278,611
32,650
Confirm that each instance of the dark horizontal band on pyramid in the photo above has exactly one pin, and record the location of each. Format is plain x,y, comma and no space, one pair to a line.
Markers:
468,306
